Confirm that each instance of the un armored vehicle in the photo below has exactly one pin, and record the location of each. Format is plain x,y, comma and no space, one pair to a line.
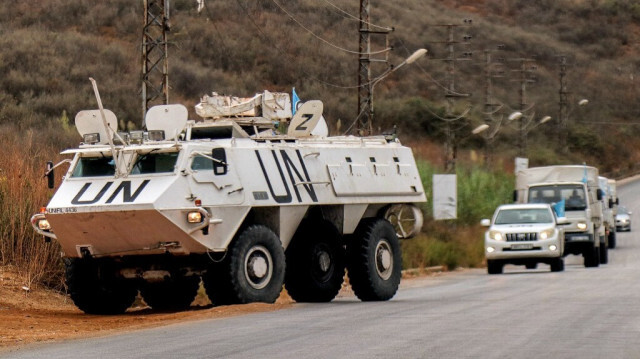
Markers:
575,189
232,202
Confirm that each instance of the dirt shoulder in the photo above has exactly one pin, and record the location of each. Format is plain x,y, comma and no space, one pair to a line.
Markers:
42,315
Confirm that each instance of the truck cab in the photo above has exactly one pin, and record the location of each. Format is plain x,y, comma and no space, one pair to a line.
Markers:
575,191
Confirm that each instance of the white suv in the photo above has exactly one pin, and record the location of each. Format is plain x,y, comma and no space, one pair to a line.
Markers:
524,234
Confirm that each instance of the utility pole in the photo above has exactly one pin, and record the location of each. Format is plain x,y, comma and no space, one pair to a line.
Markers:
563,114
155,66
451,94
489,106
365,87
524,77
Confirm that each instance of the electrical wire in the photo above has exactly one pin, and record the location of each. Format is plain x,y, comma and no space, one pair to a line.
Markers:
326,41
267,39
224,45
428,75
357,18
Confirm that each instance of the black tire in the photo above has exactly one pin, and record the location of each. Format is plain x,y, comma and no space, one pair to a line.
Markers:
95,290
217,284
592,257
175,293
255,267
531,265
612,239
557,265
604,252
494,266
374,260
315,262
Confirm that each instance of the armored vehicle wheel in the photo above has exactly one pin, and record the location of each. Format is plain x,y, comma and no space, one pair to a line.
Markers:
175,293
94,291
531,265
374,261
612,239
256,265
217,285
557,265
592,257
315,263
604,253
494,267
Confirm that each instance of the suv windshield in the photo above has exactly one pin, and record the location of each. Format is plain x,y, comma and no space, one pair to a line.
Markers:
519,216
94,167
573,195
155,163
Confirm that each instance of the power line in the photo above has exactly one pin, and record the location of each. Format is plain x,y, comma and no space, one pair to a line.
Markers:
326,41
268,40
355,18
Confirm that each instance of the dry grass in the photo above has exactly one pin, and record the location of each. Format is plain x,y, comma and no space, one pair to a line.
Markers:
23,191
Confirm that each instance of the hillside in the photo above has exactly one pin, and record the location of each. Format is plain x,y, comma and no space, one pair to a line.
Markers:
51,47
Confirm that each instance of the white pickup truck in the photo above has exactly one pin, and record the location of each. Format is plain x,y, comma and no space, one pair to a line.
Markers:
524,234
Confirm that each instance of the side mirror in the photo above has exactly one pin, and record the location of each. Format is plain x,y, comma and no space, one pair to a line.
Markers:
50,175
599,194
219,162
485,222
611,202
617,201
562,221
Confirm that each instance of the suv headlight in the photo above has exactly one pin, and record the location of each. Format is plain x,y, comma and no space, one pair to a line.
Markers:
496,235
582,226
547,233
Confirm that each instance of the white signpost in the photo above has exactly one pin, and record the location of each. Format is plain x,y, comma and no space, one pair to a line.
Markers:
445,197
521,164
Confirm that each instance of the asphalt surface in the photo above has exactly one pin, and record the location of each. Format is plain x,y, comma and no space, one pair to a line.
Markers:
578,313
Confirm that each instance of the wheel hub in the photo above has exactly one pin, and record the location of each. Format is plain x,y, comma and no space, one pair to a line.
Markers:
324,261
258,267
384,259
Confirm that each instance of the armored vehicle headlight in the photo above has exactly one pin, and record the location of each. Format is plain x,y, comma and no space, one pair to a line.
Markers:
194,217
547,233
44,225
136,137
156,135
582,226
91,138
496,235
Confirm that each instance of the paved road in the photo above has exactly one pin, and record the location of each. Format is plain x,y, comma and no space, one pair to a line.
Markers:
579,313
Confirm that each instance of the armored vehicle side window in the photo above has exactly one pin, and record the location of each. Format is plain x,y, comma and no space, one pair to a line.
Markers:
218,164
155,163
201,164
94,167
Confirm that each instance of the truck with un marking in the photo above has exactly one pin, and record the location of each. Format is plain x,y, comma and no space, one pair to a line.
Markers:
229,201
578,188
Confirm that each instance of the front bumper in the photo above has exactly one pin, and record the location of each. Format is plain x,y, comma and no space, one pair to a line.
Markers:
548,248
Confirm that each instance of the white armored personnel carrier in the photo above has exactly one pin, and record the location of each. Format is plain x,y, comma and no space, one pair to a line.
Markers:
228,200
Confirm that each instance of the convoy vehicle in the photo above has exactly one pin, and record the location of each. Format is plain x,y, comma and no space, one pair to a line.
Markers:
608,211
524,234
575,186
230,201
623,219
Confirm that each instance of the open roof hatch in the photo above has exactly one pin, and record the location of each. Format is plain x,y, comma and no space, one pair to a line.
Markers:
90,121
171,119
